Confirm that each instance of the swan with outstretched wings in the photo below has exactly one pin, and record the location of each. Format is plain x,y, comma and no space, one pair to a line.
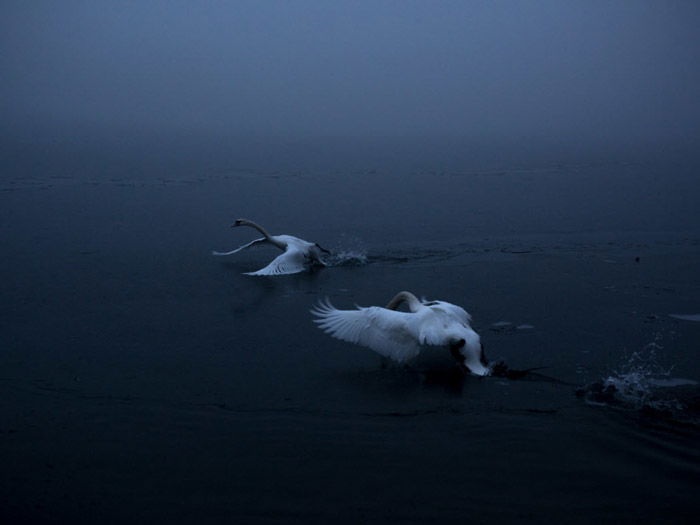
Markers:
299,255
402,335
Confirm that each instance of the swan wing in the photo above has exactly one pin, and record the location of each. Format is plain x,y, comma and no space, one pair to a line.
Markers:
261,240
458,313
291,261
437,331
441,324
385,331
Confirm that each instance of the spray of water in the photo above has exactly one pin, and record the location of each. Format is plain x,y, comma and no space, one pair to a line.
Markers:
637,380
642,382
348,251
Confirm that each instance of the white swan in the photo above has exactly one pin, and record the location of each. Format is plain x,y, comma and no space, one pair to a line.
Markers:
298,254
402,335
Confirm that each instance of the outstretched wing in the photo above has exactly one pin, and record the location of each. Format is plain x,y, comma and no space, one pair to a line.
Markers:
384,331
291,261
455,312
261,240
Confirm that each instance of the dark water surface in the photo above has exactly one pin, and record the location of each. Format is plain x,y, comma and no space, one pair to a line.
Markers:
141,378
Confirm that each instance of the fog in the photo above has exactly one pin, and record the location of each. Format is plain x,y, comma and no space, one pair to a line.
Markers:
534,74
534,162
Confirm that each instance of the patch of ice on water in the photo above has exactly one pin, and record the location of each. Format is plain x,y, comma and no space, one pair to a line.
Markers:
686,317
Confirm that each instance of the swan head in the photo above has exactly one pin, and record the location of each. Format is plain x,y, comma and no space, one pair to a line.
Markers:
466,347
241,222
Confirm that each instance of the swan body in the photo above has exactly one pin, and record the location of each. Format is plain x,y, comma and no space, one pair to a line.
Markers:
402,335
298,254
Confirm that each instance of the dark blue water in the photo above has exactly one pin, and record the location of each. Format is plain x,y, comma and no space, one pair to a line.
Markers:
144,379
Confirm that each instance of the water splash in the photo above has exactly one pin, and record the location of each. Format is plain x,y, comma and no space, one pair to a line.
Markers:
635,382
349,251
347,258
643,383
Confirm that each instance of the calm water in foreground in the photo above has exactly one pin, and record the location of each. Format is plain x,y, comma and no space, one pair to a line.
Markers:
141,378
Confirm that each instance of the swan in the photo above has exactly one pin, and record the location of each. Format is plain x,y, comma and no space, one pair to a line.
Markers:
402,335
298,254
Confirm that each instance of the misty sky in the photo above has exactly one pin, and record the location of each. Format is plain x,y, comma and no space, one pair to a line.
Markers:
358,68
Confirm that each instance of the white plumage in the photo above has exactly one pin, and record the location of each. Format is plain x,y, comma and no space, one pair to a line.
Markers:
402,335
298,254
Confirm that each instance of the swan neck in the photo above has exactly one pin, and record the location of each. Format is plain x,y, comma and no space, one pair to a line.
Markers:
401,297
268,237
246,222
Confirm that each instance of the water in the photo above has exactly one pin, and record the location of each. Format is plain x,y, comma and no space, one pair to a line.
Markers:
143,378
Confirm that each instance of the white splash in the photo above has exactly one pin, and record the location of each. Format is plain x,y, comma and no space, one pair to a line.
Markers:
347,258
349,251
638,380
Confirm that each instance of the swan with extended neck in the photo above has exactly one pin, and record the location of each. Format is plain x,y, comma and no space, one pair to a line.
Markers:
402,335
298,254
